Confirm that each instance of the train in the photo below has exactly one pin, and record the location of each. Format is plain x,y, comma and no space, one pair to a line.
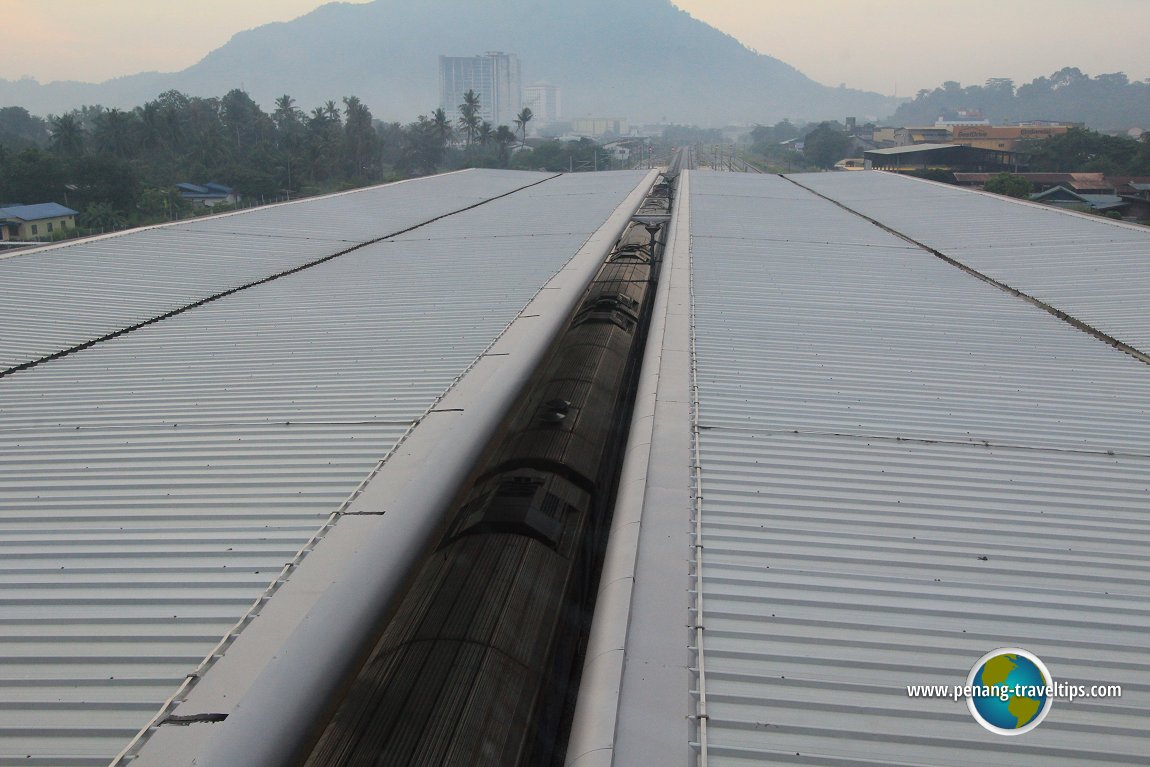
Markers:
479,662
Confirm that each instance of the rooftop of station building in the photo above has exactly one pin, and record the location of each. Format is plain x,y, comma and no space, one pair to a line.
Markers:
884,426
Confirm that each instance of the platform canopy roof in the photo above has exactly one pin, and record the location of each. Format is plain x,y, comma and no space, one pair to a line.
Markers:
884,427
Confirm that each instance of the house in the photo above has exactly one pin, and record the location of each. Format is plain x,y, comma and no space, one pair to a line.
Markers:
33,222
1136,192
1062,197
208,195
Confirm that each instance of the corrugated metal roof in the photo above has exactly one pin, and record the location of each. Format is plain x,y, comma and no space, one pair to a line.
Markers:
36,212
151,486
1095,270
902,468
911,149
58,297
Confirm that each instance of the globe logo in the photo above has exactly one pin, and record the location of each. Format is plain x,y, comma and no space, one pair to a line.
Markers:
1011,691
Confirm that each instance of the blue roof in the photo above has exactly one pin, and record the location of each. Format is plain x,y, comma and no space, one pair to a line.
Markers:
205,190
36,212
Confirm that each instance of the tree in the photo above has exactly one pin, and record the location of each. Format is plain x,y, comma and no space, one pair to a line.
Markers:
112,133
441,127
66,135
1084,150
20,130
521,121
287,116
1009,185
106,180
826,145
423,146
32,176
469,119
102,216
359,139
245,123
324,143
485,133
504,138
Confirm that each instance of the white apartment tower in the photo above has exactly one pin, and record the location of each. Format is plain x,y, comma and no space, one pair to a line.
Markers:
495,78
544,101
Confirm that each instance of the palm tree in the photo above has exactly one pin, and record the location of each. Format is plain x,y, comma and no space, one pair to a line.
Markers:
150,122
286,115
441,126
485,133
469,115
112,132
521,121
359,137
504,138
67,135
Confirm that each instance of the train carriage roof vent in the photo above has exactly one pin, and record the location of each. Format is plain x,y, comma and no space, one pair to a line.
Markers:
520,504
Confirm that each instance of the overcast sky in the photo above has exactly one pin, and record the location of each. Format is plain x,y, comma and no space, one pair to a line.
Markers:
879,45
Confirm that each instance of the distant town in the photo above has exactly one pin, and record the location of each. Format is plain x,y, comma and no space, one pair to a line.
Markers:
94,170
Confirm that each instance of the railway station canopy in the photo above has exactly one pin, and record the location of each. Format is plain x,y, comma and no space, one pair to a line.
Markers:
884,427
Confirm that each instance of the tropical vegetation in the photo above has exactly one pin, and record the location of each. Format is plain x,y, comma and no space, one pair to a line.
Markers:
120,167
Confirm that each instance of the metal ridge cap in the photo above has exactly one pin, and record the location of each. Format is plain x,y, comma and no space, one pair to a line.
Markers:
594,728
398,512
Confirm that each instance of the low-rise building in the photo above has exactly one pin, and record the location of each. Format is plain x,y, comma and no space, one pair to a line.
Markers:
1003,137
951,157
208,195
1061,197
35,222
927,134
596,127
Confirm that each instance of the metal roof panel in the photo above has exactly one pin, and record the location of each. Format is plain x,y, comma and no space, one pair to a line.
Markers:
901,468
60,296
153,485
1094,269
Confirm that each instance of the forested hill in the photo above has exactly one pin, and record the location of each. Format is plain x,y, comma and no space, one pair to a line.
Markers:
1108,102
645,60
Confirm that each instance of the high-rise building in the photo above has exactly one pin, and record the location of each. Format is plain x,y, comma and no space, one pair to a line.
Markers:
495,78
544,101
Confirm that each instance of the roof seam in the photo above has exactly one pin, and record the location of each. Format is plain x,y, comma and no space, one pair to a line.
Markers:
974,442
698,619
270,278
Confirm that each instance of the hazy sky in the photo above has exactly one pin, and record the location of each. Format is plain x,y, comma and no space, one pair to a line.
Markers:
879,45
